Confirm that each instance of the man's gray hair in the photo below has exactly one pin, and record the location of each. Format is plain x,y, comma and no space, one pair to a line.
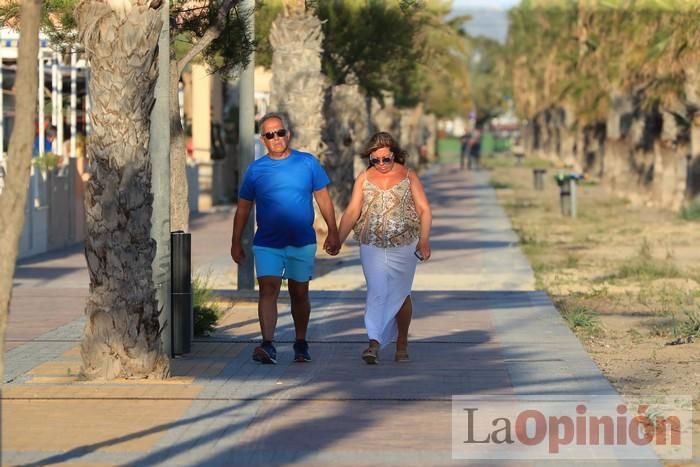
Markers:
278,115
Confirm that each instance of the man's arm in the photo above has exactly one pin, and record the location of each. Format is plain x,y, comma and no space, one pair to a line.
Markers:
239,221
325,205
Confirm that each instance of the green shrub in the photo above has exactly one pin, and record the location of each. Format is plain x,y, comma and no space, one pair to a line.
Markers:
690,326
206,312
645,266
500,185
580,318
46,163
647,269
691,212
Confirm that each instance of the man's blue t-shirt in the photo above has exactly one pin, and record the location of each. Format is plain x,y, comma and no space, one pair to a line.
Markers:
283,194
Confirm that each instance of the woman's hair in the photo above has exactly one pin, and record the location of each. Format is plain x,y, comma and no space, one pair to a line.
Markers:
385,140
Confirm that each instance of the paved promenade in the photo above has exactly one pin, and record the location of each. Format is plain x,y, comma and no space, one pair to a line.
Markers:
479,328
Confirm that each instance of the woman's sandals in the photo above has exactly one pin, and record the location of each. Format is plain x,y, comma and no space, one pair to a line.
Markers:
371,353
401,355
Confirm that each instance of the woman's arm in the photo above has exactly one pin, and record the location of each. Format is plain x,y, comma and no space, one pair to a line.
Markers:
353,211
425,214
81,169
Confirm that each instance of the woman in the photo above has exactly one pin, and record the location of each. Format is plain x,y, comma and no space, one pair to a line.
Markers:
391,217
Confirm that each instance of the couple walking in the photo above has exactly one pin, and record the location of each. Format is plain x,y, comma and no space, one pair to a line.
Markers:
388,212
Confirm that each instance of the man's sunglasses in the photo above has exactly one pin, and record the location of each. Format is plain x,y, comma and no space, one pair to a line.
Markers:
271,134
385,159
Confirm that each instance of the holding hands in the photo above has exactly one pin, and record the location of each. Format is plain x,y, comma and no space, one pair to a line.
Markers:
332,244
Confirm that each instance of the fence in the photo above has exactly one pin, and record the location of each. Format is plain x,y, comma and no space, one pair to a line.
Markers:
54,216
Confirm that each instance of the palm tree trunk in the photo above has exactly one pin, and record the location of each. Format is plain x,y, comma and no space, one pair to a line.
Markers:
692,92
345,135
122,335
297,86
14,194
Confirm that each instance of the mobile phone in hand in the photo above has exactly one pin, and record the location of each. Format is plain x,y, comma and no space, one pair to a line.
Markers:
418,255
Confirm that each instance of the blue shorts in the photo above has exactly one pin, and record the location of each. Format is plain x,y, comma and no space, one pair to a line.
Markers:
291,262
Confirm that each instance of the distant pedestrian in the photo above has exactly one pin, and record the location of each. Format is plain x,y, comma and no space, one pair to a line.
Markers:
49,137
391,217
464,149
474,150
282,184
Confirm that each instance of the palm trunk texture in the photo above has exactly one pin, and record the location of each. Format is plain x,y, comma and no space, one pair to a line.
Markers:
121,338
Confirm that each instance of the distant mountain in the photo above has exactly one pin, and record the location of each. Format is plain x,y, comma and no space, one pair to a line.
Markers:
489,22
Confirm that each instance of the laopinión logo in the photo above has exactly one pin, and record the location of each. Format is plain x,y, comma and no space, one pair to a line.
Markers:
571,427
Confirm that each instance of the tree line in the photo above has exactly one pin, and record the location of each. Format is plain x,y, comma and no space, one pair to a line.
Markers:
612,88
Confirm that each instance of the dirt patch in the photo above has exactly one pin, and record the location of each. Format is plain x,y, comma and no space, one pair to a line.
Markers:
624,277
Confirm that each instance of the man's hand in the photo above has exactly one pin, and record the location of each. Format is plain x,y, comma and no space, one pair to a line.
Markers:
237,252
332,243
239,221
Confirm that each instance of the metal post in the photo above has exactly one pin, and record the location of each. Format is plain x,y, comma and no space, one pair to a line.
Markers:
54,89
688,176
181,102
159,149
40,98
182,328
88,125
565,197
2,103
538,178
572,190
59,107
73,103
246,126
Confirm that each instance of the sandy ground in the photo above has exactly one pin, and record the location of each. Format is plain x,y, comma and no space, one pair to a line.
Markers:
624,277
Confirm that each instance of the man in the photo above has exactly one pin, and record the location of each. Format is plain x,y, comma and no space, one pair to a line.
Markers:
474,150
49,137
281,184
464,148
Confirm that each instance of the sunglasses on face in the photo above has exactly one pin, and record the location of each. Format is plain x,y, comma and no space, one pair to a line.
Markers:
386,159
271,134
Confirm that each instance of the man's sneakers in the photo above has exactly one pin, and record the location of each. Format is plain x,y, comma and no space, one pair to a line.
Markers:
265,353
301,351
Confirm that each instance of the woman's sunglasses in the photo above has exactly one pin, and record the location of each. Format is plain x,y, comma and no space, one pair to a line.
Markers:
271,134
385,159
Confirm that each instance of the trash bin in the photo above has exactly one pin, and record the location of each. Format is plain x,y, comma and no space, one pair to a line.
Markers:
181,300
538,178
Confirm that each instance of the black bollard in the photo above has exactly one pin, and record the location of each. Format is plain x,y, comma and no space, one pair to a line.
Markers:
567,193
181,276
565,198
538,178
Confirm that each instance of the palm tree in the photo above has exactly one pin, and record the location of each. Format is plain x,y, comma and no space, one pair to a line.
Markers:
298,86
122,334
345,134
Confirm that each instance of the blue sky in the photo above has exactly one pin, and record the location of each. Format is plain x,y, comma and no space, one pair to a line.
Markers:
502,4
488,16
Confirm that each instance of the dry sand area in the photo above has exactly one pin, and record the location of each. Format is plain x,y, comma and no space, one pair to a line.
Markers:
624,277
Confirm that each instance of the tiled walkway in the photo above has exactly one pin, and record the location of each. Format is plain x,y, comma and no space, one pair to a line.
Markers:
479,327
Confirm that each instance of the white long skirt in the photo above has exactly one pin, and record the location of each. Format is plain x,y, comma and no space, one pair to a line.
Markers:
389,274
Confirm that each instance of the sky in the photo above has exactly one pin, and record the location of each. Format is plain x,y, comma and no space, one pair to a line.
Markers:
489,16
486,4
